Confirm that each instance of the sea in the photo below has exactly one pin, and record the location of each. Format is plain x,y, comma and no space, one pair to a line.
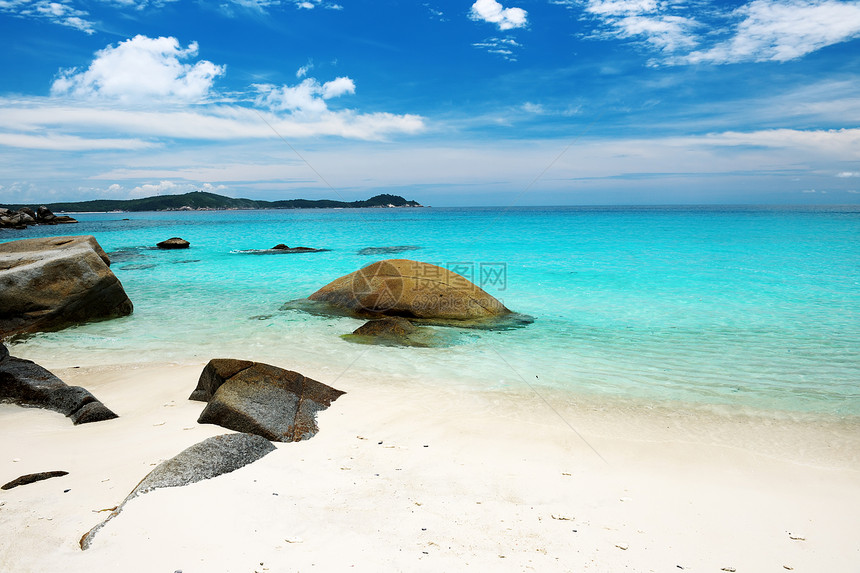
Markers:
737,308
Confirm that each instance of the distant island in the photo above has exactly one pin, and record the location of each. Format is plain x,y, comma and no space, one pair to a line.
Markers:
203,201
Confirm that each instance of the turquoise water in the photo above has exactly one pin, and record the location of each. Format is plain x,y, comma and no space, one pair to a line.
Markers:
741,307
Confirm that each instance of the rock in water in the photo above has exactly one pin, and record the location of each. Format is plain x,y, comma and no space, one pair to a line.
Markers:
210,458
52,283
410,289
278,404
33,478
395,331
26,383
174,243
387,327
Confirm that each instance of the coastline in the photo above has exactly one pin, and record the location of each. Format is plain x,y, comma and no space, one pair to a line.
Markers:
410,475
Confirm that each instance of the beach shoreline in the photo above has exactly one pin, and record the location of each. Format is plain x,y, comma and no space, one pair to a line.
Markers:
411,475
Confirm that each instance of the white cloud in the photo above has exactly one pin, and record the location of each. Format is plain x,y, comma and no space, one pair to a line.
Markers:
848,174
646,20
60,12
303,71
210,123
141,69
59,142
307,97
138,4
167,188
493,12
503,47
782,30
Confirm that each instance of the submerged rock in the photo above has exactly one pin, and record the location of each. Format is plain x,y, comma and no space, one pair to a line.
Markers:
173,243
52,283
387,250
278,404
26,383
207,459
411,289
396,331
281,249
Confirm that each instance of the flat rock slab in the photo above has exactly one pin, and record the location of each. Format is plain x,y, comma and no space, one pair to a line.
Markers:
51,283
272,402
25,383
33,478
207,459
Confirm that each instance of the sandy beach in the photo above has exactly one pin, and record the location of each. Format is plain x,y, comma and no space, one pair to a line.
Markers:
408,476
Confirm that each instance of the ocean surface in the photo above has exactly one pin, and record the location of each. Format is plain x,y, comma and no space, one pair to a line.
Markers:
739,308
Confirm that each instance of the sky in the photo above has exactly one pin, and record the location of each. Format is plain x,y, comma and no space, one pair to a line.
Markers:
523,102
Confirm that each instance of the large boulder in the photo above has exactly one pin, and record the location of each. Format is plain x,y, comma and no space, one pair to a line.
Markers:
410,289
50,283
207,459
278,404
26,383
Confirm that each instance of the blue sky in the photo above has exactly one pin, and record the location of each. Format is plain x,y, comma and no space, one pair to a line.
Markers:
523,102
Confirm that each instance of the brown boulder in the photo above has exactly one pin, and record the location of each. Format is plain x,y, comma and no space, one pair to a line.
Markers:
277,404
173,243
52,283
411,289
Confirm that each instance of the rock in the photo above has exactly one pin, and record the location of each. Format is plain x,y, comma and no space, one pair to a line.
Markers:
410,289
174,243
207,459
26,383
43,214
282,249
395,327
4,352
52,283
376,251
274,403
396,331
62,219
33,478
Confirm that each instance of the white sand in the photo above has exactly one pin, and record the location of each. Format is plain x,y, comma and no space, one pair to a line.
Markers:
406,476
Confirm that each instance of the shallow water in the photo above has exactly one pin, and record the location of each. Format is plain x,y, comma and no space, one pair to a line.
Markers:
742,307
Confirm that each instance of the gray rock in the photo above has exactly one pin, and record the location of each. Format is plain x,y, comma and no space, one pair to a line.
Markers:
33,478
278,404
210,458
43,214
52,283
4,352
27,384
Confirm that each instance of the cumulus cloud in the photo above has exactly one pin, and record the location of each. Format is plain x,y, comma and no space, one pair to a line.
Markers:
783,30
141,69
308,97
60,12
493,12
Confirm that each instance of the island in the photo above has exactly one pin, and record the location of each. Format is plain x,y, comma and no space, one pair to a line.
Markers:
204,201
